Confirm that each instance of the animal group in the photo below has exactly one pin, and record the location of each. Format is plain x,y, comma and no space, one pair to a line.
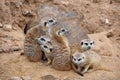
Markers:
52,42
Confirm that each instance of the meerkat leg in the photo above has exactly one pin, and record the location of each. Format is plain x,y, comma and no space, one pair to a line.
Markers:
48,62
74,68
90,70
79,71
86,69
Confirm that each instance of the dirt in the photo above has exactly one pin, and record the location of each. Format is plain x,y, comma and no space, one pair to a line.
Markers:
101,21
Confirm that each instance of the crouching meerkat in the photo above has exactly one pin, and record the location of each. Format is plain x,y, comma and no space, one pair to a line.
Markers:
87,61
59,54
31,47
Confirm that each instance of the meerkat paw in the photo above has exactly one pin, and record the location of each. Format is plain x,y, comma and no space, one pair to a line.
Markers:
80,73
48,62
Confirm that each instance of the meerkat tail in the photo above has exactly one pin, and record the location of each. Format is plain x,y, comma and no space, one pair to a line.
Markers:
103,68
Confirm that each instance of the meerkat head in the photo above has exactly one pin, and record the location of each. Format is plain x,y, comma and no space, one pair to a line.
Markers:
47,48
78,58
87,44
44,39
62,31
48,22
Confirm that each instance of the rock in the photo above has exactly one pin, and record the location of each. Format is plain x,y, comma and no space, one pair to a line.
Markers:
49,77
1,25
28,13
7,27
15,78
15,48
6,48
64,2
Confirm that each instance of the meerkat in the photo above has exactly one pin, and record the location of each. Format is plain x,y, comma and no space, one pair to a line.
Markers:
87,61
31,46
58,53
47,49
85,44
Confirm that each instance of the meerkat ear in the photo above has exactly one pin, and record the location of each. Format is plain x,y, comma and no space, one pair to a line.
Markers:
83,57
72,57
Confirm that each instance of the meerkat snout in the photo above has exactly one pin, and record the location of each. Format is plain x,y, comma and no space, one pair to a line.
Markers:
87,44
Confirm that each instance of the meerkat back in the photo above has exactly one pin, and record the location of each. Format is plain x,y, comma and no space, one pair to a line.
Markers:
31,49
93,57
61,50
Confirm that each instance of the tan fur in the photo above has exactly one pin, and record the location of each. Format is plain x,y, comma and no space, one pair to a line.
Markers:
61,52
91,60
31,47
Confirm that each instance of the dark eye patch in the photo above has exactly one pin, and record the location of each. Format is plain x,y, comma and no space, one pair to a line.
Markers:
45,23
51,49
91,43
51,20
42,39
86,43
83,57
79,59
81,43
74,59
45,47
63,30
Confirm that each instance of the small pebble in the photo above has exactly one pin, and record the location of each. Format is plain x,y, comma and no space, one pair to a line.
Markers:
7,27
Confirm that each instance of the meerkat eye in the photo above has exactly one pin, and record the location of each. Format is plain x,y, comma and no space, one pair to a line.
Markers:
79,59
63,30
45,23
83,57
51,49
51,20
86,43
74,59
42,39
45,47
91,43
81,43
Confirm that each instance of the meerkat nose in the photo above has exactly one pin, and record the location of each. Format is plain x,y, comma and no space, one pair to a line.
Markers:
89,47
54,23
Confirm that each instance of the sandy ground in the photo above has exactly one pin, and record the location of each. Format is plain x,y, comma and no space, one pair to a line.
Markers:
99,18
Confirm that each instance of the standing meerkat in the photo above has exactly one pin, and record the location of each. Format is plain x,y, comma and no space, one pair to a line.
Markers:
31,46
87,61
59,54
